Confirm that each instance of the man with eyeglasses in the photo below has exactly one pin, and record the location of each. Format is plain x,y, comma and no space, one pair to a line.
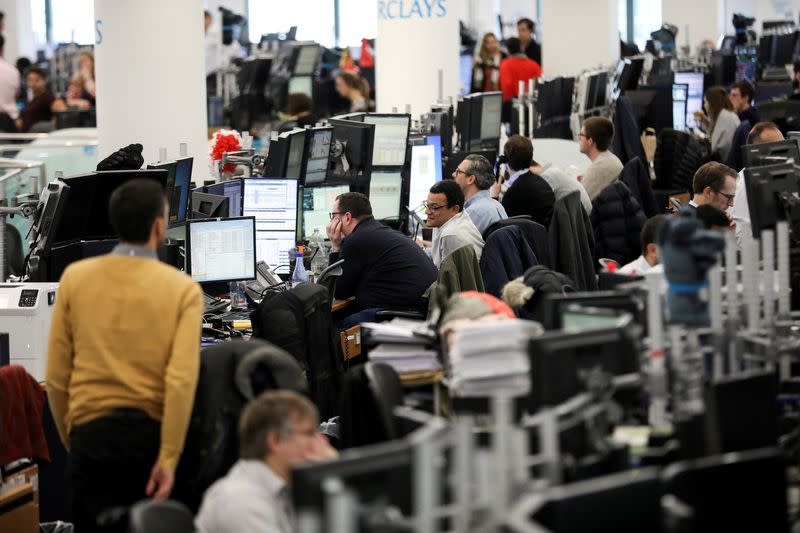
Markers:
714,184
277,430
474,176
452,227
382,268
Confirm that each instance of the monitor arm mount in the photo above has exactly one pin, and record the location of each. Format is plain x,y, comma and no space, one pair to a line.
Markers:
26,209
338,158
249,158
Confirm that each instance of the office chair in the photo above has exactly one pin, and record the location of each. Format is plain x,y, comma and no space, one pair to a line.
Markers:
387,389
328,277
370,394
149,516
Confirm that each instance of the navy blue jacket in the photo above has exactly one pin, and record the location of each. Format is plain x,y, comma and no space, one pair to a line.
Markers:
534,234
506,256
617,221
626,143
383,268
636,176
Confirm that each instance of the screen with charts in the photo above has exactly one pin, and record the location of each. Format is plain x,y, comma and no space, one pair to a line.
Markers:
301,84
319,150
391,139
695,100
490,116
317,206
306,60
273,203
426,169
231,189
294,159
221,249
384,194
680,93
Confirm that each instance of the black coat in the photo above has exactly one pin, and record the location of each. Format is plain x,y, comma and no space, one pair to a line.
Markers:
617,220
636,176
627,142
572,242
530,195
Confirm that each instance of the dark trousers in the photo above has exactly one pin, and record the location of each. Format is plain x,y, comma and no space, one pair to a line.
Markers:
109,464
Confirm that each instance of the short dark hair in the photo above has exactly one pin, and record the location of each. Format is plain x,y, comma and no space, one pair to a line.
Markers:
133,208
42,73
298,103
745,89
519,152
754,137
513,45
482,169
711,216
270,411
356,204
451,190
528,22
649,230
713,175
600,130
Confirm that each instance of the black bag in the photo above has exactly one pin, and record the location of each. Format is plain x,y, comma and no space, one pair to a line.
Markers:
300,322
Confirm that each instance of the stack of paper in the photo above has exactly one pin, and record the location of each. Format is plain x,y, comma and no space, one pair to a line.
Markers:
405,358
486,357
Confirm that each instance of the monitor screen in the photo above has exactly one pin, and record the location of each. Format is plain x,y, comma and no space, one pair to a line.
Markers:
391,139
180,194
424,173
221,249
302,85
317,206
273,203
490,116
680,94
319,151
174,203
306,62
694,101
294,159
384,194
233,191
601,95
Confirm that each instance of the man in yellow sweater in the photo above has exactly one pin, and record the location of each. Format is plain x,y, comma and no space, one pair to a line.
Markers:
123,361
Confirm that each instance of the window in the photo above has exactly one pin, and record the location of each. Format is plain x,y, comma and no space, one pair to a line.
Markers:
645,18
313,18
72,21
358,19
38,23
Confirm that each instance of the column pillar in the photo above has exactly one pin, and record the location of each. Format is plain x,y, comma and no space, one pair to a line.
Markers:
578,35
150,74
414,41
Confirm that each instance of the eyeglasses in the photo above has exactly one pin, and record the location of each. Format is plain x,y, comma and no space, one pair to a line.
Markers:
458,170
582,135
728,197
334,213
432,207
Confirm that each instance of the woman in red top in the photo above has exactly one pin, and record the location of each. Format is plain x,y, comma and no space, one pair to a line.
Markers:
486,65
515,68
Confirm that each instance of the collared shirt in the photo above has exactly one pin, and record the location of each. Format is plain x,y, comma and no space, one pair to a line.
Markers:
457,232
740,211
484,210
639,267
9,85
251,497
134,250
515,175
693,204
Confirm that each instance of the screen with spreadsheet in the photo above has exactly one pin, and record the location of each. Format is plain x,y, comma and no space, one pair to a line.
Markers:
221,249
694,101
273,203
384,194
391,139
680,93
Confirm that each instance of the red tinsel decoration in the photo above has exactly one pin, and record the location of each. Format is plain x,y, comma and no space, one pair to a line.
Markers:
225,143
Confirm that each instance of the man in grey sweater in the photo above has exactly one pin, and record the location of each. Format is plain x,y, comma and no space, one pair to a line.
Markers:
594,139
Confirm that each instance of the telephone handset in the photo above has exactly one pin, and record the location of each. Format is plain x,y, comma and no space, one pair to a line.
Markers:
265,278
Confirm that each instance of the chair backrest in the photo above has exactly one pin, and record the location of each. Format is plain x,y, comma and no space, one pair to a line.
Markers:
387,389
637,177
150,516
329,276
678,156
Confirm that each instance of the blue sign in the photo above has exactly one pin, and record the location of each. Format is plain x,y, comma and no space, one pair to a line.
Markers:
411,9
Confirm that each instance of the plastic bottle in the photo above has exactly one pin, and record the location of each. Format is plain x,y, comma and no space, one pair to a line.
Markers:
318,250
299,275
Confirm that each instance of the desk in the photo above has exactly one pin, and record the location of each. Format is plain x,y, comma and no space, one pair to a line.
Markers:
338,305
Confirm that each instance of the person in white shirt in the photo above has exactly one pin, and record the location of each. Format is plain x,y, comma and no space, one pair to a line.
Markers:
277,430
648,261
714,184
761,133
452,227
9,84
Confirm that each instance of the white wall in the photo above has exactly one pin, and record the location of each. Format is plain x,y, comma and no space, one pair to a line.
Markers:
578,35
696,20
18,34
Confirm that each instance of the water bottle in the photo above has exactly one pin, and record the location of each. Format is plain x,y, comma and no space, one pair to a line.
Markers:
318,251
299,275
237,291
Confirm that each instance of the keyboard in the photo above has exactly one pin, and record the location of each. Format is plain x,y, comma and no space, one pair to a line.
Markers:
236,315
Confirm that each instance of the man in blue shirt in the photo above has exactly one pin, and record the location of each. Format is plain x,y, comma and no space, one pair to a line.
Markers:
474,176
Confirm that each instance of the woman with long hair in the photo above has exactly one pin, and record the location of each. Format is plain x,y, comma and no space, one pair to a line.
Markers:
351,86
722,120
486,65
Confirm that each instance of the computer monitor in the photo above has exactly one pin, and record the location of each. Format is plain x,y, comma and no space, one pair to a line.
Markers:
302,85
231,189
576,317
784,49
54,200
680,95
286,155
85,213
356,140
356,116
694,100
747,64
771,191
221,249
385,189
273,203
485,117
629,70
305,63
317,157
756,155
426,169
206,205
601,94
317,206
183,180
552,308
391,139
590,95
169,188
